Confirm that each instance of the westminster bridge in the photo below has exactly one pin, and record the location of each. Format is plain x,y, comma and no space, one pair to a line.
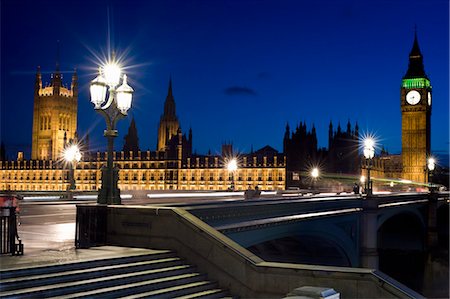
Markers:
339,241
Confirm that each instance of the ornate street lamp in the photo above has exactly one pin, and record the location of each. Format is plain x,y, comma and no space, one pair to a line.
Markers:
431,165
369,153
72,155
232,166
115,108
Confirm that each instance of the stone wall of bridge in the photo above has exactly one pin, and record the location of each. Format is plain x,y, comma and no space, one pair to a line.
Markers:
225,261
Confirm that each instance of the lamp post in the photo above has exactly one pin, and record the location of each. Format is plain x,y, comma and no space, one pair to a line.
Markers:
232,167
314,175
431,165
72,155
115,108
369,153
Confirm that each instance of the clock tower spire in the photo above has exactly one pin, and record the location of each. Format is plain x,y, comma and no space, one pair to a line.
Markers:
415,102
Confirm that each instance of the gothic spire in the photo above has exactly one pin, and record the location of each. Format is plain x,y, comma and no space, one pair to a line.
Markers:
169,105
131,139
56,77
415,67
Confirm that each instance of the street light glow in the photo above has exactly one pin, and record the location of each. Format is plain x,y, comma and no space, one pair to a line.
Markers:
112,73
362,179
369,148
232,165
431,163
315,172
369,142
72,153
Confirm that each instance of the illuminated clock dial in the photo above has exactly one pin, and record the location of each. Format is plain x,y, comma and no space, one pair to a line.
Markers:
413,97
429,98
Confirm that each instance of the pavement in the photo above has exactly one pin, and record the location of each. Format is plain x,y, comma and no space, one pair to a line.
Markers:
70,255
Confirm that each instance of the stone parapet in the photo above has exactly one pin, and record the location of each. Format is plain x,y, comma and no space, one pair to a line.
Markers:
233,266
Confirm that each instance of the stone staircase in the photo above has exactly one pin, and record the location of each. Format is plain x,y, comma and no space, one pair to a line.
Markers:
157,275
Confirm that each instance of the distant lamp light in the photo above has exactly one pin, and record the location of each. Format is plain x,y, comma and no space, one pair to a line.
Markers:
232,165
391,184
314,175
369,153
431,164
362,179
72,154
369,148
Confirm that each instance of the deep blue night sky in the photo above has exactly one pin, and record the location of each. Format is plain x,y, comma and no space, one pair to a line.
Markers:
241,69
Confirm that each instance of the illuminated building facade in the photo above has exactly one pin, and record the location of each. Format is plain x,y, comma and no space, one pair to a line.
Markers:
54,116
171,167
147,171
415,105
415,102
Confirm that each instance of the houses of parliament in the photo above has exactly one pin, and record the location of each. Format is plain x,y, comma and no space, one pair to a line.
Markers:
173,165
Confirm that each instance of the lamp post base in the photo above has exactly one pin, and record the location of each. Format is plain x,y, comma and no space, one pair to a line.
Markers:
109,193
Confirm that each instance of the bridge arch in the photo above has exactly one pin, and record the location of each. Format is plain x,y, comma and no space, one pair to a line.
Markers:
341,247
390,213
401,242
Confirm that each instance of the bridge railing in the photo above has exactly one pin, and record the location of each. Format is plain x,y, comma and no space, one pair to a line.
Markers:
9,235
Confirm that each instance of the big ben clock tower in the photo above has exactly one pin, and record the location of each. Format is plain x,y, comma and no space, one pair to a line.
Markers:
415,102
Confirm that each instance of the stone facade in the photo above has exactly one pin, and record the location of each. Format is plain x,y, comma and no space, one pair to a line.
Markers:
54,116
147,171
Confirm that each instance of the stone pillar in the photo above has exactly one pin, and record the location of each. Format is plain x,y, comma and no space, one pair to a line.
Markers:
368,233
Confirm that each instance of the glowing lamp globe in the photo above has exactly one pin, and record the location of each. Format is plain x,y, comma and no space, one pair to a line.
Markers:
369,142
98,91
112,73
124,96
315,172
369,150
369,153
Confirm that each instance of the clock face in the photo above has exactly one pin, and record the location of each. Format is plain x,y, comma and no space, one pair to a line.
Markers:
413,97
429,98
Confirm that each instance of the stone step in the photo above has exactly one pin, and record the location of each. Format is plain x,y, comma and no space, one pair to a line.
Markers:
125,273
88,273
175,291
118,280
209,293
130,289
70,266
